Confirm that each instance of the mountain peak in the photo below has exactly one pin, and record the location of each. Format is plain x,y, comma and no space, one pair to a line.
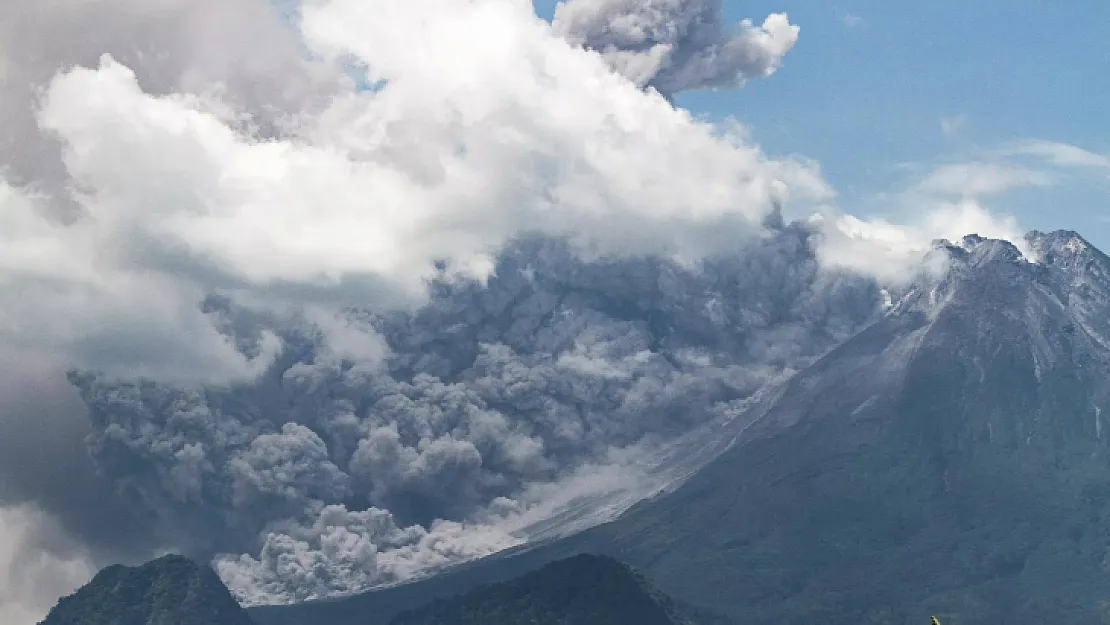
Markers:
975,251
1056,248
171,590
1062,248
1067,240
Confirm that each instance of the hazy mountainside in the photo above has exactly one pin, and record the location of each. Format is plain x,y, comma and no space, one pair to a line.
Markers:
950,459
398,442
584,590
168,591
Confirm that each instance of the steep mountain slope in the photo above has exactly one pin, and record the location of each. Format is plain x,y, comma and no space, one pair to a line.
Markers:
584,590
950,459
168,591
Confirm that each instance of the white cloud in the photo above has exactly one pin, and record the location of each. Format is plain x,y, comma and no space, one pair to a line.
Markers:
948,202
980,178
103,312
31,580
954,220
893,252
953,125
1062,155
355,202
851,20
240,48
944,203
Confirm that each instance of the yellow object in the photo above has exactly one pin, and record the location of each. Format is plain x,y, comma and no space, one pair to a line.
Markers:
936,621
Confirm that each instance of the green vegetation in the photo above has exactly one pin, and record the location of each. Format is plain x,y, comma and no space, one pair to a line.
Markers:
168,591
584,590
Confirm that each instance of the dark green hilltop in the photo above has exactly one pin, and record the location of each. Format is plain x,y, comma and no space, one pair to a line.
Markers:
171,590
583,590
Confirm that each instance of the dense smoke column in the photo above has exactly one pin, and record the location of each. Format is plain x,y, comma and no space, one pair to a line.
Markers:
375,467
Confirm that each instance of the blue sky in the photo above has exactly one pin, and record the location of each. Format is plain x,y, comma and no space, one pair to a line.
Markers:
865,91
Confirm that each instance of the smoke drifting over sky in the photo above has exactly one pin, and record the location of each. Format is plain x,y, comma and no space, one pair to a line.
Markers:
676,45
352,289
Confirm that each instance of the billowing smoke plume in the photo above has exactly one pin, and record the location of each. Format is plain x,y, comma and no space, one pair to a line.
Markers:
334,472
676,45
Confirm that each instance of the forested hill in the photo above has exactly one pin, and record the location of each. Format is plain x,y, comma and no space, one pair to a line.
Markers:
583,590
171,590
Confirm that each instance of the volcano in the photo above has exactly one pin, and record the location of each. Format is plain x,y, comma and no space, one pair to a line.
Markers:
950,459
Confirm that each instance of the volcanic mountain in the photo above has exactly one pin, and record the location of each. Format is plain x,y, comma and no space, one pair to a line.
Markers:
949,459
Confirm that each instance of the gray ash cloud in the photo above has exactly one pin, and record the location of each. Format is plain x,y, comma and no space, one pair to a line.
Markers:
375,468
676,45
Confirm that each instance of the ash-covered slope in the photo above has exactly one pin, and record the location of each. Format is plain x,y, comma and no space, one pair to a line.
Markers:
583,590
171,590
951,459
